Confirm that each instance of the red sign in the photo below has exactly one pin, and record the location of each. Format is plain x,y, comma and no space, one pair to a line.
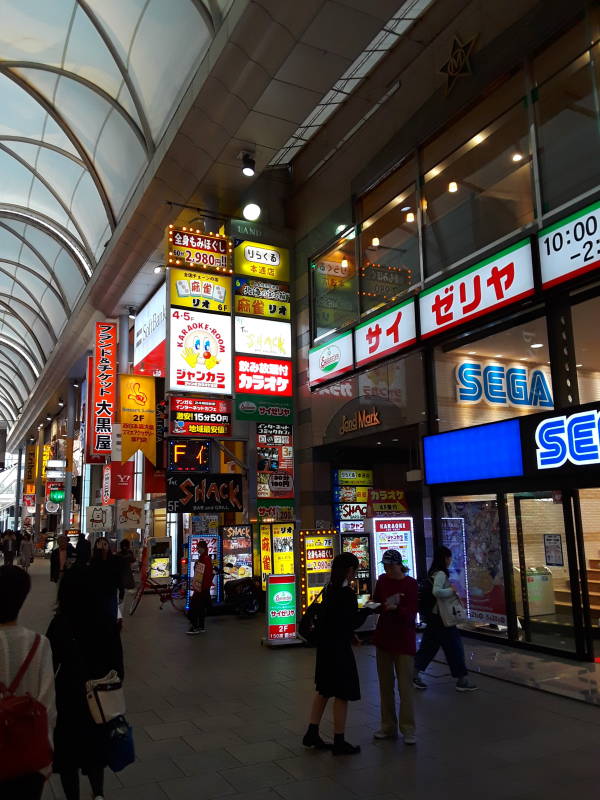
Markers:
155,480
106,499
105,377
121,480
266,376
385,502
194,416
90,457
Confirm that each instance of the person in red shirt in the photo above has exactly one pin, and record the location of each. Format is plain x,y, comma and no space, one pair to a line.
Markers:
395,640
201,583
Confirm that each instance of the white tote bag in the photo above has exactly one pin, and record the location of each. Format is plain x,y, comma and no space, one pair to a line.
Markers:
451,610
105,698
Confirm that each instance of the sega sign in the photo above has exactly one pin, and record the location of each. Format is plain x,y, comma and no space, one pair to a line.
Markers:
498,385
573,438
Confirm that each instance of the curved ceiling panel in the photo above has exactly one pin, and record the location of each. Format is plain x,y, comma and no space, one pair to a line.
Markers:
87,88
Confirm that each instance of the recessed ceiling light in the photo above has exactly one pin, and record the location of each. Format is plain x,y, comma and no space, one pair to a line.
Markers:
577,365
410,217
536,345
405,208
516,157
453,187
379,442
498,355
375,241
472,353
395,440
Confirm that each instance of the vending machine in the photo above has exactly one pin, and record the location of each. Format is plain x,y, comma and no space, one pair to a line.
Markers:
317,550
391,533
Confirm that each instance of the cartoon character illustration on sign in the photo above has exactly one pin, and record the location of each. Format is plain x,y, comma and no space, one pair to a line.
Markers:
139,397
196,349
131,514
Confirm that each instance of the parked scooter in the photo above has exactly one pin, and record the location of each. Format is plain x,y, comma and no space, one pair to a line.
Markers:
241,596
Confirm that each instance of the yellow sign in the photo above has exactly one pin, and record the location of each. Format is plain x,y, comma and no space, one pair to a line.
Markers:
138,416
283,548
355,477
266,563
262,261
30,464
45,458
202,290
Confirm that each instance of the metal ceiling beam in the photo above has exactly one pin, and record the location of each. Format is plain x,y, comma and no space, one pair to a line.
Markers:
50,286
13,346
27,350
36,305
8,356
9,307
45,145
12,375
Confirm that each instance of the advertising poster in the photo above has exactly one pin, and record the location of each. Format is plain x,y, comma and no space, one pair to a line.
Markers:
281,607
359,546
351,494
393,533
485,576
121,480
199,352
150,335
264,409
283,548
159,559
194,416
200,290
318,552
130,514
553,550
99,519
261,298
453,537
275,460
204,492
261,260
275,510
104,387
212,542
106,498
268,376
263,337
236,541
30,464
386,502
353,477
138,416
195,249
266,557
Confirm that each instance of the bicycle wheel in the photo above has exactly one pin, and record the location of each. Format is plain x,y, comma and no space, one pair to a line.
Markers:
135,600
179,595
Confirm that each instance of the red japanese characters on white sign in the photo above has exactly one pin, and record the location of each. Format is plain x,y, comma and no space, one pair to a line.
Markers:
385,334
485,287
267,376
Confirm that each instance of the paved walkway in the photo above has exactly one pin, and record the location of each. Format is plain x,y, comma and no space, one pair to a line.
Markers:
219,715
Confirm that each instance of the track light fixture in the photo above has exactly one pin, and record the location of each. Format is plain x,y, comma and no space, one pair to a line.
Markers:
248,165
131,310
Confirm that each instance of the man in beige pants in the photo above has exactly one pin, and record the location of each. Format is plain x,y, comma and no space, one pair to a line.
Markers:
395,640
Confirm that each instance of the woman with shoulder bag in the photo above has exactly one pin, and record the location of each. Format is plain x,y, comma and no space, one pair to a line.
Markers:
441,630
86,645
335,671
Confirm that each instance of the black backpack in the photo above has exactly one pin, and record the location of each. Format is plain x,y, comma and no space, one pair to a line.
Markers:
426,599
308,626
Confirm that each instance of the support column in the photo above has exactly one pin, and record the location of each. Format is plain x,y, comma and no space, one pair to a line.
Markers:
67,502
123,355
18,489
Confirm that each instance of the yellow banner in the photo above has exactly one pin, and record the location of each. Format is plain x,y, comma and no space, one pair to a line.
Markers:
262,261
266,562
283,549
138,416
201,290
45,458
30,464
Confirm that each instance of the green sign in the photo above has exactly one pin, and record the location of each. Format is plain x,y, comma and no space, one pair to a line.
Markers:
264,409
281,607
57,495
275,510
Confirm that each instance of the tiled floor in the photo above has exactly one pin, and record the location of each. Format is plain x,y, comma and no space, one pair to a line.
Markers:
219,715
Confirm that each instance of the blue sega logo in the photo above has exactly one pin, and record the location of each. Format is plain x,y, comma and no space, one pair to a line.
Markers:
514,386
575,438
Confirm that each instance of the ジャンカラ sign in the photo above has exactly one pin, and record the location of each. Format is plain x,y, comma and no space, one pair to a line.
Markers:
200,352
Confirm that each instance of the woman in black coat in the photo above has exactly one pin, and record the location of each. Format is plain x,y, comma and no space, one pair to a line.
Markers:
86,644
335,672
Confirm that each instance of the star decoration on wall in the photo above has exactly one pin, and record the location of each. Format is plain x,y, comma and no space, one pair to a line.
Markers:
459,64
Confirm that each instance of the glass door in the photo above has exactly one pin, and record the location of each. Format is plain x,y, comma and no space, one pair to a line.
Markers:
541,574
587,521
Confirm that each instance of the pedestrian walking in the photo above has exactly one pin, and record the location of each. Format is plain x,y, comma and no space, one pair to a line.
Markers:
441,633
105,578
335,670
86,645
83,549
201,583
125,559
26,552
396,644
9,547
23,650
61,557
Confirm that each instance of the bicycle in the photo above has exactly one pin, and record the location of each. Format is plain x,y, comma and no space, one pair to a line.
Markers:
174,592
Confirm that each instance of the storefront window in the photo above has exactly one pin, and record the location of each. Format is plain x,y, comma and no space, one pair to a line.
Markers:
504,375
335,288
568,134
585,323
389,246
589,503
470,527
478,194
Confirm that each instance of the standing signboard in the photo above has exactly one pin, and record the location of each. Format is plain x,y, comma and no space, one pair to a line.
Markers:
317,549
236,552
281,608
392,533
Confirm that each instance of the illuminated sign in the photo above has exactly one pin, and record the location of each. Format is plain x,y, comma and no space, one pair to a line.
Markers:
200,352
188,455
138,416
317,553
492,284
365,418
200,417
262,260
261,298
275,460
208,492
353,477
394,533
570,438
385,334
351,511
264,409
200,290
329,360
267,376
194,249
236,543
281,607
30,464
261,337
105,380
150,334
570,247
498,385
351,494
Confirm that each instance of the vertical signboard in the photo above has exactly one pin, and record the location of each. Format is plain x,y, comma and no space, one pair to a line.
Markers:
150,334
138,416
281,607
236,543
104,393
316,554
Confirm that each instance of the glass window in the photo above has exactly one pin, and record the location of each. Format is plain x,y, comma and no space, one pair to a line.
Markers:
470,527
335,288
479,194
589,503
504,375
585,333
568,134
389,247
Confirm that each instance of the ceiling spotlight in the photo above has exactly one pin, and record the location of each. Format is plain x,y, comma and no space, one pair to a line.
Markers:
471,352
341,228
405,208
498,355
40,426
375,241
251,212
131,310
158,270
48,418
76,385
516,157
248,165
577,365
410,217
536,346
453,187
344,263
60,404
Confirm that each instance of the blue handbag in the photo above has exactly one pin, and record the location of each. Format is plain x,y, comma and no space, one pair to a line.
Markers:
120,751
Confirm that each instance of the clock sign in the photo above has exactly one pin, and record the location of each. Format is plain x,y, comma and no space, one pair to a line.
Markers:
570,247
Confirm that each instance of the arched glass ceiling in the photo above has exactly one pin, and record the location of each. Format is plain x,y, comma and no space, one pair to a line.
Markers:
87,89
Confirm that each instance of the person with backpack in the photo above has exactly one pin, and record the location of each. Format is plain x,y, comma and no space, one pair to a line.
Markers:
439,633
395,642
335,671
27,708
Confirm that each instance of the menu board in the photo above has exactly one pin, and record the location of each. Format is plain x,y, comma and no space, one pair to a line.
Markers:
237,552
281,607
358,545
283,548
318,554
394,533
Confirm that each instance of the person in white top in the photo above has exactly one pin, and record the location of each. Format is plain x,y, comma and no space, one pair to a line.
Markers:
38,680
26,551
